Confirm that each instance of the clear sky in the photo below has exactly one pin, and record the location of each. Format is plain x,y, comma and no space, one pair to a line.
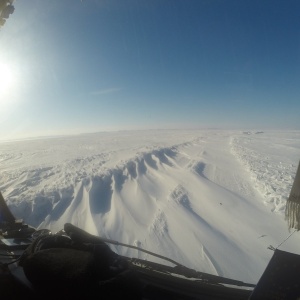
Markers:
69,66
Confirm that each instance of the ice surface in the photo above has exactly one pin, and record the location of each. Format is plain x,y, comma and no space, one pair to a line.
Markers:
212,200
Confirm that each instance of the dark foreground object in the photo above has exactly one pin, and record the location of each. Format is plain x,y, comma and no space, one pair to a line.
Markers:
73,264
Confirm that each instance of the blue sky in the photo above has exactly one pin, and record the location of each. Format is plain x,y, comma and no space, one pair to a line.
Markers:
91,65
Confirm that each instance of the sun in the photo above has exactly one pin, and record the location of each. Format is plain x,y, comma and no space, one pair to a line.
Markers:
7,78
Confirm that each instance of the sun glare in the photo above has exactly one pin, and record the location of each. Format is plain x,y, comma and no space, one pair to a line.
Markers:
6,78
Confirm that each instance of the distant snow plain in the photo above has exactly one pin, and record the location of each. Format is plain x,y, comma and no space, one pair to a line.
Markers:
212,200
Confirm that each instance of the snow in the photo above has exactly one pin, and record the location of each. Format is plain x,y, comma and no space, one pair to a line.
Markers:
212,200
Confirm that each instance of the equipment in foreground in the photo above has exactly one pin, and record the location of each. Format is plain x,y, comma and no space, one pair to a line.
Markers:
292,208
6,9
74,263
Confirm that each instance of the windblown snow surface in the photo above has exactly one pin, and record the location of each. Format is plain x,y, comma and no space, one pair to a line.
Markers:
211,200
